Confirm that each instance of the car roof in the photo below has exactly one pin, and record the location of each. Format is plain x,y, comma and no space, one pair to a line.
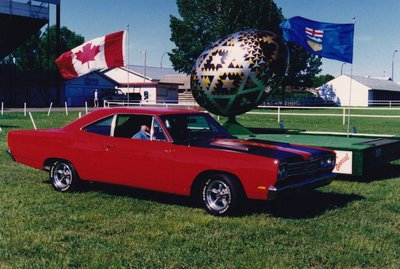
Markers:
145,110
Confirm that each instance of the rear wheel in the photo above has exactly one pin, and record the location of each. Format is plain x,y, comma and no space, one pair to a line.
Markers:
63,176
221,195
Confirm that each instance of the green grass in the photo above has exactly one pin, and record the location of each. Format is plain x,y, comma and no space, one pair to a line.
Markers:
352,223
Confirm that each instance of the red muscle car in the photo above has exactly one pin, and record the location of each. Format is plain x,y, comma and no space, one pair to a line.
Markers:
185,152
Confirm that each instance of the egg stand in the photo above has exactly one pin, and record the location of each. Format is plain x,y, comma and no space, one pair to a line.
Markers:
356,155
234,127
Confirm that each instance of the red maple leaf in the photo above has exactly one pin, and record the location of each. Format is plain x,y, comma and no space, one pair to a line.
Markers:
87,53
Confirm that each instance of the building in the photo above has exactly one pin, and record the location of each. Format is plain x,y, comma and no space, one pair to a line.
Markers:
81,89
20,20
150,85
365,91
154,85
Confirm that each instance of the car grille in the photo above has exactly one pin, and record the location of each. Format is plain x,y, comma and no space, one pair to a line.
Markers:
300,171
305,167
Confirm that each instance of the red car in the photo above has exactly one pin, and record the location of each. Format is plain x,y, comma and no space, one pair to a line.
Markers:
184,152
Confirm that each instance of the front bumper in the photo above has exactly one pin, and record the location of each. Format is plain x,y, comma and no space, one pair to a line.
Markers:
308,184
9,154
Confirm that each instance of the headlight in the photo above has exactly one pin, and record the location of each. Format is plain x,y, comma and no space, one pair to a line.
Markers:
327,162
282,170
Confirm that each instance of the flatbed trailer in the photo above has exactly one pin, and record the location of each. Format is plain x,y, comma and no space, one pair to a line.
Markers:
356,154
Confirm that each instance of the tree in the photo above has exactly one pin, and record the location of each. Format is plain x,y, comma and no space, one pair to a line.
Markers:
203,22
34,62
39,52
25,56
68,41
321,80
303,67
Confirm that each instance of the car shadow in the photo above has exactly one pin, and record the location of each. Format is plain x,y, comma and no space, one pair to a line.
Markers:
124,191
377,173
303,205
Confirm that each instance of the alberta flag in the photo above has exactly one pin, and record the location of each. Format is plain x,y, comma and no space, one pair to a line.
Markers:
103,52
329,40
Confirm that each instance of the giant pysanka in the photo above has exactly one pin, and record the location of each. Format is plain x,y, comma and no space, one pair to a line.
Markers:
236,73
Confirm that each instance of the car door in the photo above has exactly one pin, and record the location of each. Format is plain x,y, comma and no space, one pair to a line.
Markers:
140,163
90,146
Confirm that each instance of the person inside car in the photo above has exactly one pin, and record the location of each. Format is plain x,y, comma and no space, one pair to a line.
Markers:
143,133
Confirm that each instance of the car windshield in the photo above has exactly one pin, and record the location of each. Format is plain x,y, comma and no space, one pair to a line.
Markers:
188,127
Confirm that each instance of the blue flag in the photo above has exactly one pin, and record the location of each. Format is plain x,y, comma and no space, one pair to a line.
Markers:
329,40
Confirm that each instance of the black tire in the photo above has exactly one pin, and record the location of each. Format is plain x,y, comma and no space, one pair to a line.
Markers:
221,195
64,177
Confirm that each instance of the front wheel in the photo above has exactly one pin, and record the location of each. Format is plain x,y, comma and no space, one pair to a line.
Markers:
63,176
221,195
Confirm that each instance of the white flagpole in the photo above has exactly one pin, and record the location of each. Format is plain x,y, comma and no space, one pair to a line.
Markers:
351,83
127,59
349,108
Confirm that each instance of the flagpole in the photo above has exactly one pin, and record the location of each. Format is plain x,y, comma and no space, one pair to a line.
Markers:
349,108
127,59
351,83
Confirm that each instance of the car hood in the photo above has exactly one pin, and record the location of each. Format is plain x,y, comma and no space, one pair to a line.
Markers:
276,150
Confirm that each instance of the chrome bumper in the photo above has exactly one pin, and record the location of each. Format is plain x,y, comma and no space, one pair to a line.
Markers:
9,154
307,184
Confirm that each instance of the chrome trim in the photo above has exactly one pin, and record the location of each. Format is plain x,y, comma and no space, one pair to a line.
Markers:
310,183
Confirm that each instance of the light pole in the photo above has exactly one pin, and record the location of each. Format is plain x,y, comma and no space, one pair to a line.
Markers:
341,69
393,64
145,58
162,56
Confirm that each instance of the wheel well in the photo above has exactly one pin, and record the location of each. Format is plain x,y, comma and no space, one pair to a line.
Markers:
200,178
49,162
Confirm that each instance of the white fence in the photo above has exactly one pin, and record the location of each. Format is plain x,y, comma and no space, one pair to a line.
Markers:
389,103
343,112
188,104
27,109
278,111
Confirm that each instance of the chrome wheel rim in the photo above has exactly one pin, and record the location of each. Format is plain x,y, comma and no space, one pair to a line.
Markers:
218,195
62,176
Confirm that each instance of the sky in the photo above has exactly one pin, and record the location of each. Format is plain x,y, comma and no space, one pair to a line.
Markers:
377,28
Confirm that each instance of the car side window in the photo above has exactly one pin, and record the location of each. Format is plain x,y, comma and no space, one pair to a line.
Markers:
131,126
127,125
156,131
101,127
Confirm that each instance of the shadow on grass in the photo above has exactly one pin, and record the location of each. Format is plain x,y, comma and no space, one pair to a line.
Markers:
124,191
9,126
377,173
304,205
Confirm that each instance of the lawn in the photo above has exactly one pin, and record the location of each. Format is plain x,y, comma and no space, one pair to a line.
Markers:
352,223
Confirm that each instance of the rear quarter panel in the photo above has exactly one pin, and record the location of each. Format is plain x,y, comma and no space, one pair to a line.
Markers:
33,147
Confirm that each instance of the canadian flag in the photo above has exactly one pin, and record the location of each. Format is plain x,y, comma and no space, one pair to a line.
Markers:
103,52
